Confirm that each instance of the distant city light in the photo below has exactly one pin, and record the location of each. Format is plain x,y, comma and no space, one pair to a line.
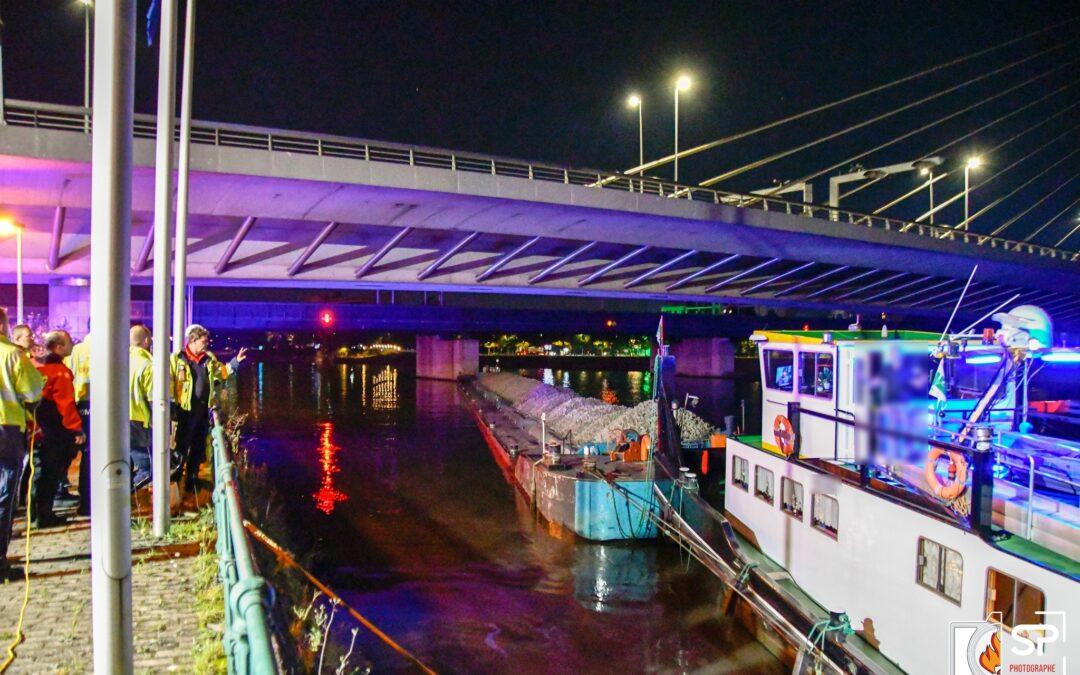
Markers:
610,323
634,101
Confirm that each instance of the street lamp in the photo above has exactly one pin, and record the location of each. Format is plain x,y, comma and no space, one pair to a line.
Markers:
88,6
635,102
926,168
9,227
681,84
972,163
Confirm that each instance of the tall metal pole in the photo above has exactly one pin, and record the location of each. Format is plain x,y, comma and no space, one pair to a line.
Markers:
180,273
163,187
967,188
676,133
110,305
640,134
87,4
19,275
930,178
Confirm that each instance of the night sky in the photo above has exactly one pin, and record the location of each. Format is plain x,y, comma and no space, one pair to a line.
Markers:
548,81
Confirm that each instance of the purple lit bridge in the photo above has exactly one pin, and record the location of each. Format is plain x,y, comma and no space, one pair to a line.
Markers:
277,208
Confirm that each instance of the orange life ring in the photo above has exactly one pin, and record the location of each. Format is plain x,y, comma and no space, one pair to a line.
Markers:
958,468
784,434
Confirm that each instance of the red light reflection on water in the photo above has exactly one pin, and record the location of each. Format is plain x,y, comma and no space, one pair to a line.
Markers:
327,496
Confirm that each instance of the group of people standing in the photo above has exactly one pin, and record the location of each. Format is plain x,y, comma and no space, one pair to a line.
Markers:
45,417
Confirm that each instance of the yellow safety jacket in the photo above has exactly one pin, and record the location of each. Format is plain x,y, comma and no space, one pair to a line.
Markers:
20,384
183,380
79,363
142,383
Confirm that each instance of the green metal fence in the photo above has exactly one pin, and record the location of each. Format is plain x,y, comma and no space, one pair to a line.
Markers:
247,636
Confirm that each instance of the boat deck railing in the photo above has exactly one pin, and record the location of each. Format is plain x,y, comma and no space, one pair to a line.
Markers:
247,636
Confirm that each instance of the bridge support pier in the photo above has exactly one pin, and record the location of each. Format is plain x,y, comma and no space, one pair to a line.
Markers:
446,359
704,357
69,301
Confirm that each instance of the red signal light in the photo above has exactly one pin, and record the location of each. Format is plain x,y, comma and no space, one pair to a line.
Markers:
326,318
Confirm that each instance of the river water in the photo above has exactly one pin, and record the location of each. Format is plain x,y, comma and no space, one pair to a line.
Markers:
411,521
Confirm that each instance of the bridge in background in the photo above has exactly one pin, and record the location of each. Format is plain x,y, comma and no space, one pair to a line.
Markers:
276,208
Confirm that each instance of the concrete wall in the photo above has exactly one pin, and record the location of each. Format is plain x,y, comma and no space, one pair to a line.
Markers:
704,357
442,359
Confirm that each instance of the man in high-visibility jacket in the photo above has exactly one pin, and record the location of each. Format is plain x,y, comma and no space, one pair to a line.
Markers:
20,385
142,381
79,363
197,375
61,428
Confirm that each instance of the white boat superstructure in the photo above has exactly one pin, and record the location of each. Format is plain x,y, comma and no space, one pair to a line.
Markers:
848,492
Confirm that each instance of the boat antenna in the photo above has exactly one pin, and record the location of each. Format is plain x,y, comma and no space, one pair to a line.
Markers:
984,316
959,301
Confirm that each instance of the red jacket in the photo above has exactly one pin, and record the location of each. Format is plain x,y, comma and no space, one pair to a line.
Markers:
60,391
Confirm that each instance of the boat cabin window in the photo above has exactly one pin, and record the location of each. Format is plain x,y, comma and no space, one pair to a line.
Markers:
940,569
763,483
740,472
779,369
1015,602
816,374
791,497
825,515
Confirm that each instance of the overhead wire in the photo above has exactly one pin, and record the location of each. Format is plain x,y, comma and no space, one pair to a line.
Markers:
913,132
1000,173
847,99
1055,217
1001,228
965,136
967,222
877,118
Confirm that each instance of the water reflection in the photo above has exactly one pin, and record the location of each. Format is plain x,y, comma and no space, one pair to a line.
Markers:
327,496
614,578
411,518
384,389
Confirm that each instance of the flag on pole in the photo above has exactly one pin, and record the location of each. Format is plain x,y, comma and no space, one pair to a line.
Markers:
937,383
660,332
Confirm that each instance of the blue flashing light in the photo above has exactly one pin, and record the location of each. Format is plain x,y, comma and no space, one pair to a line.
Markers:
1061,357
982,359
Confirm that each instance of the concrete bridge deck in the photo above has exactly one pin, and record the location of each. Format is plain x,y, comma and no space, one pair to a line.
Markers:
279,208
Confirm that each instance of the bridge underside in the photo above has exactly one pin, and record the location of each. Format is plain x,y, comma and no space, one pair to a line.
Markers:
265,218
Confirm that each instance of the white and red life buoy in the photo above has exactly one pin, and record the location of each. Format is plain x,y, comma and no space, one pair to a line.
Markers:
958,470
784,434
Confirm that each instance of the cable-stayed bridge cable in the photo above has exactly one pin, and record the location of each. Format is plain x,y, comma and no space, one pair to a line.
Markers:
1001,228
641,168
877,118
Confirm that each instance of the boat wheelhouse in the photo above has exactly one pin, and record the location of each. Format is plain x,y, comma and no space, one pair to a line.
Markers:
844,491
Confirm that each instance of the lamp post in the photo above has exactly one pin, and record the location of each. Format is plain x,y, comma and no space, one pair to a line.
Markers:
635,102
9,227
972,163
926,168
87,7
681,84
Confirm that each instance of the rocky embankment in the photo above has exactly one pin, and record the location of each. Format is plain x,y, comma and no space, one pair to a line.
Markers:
584,420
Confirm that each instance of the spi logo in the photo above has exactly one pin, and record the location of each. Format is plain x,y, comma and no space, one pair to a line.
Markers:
987,648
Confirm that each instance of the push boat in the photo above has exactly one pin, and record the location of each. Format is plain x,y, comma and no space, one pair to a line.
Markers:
844,521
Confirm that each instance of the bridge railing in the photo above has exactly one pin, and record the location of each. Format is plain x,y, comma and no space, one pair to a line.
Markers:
247,638
75,118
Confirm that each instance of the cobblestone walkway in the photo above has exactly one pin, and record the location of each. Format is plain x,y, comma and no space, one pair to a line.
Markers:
58,625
